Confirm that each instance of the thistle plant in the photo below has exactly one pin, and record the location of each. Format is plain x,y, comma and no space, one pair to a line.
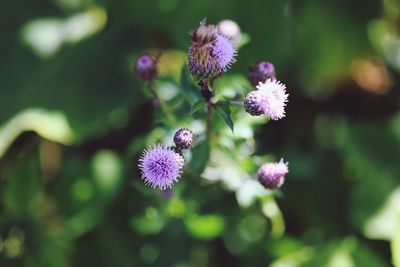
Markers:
211,53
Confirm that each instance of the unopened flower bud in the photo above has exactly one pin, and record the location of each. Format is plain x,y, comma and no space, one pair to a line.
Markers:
184,138
145,68
272,175
229,28
261,72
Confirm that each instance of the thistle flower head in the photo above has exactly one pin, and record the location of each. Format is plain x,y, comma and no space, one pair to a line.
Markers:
211,53
145,68
184,138
229,28
269,98
272,175
254,103
261,72
160,166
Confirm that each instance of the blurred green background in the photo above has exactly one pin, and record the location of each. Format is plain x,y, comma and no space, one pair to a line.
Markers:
74,121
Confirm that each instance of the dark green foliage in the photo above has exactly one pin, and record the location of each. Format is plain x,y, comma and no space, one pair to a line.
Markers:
223,110
200,104
200,156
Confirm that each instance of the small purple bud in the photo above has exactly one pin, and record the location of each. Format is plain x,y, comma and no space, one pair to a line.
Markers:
261,72
272,175
229,28
145,68
184,138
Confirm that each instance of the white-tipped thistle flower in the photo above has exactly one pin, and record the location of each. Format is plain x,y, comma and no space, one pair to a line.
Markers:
269,98
272,174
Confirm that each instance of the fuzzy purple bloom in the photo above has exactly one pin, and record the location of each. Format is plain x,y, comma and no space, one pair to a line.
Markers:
211,53
224,51
272,175
269,98
160,166
261,72
184,138
145,68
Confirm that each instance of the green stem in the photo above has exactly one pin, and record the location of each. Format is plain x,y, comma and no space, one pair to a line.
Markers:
237,103
207,94
150,85
164,108
210,113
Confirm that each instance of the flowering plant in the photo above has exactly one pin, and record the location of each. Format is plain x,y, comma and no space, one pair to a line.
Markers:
76,123
213,49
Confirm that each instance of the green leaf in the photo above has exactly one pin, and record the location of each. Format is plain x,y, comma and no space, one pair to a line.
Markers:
23,183
198,105
200,156
52,125
223,110
192,94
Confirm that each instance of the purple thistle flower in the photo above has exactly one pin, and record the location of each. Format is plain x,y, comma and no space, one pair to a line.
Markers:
160,166
211,53
269,98
184,138
272,175
261,72
145,68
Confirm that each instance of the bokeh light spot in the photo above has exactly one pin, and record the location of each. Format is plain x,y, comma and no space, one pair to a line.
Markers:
82,190
107,170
